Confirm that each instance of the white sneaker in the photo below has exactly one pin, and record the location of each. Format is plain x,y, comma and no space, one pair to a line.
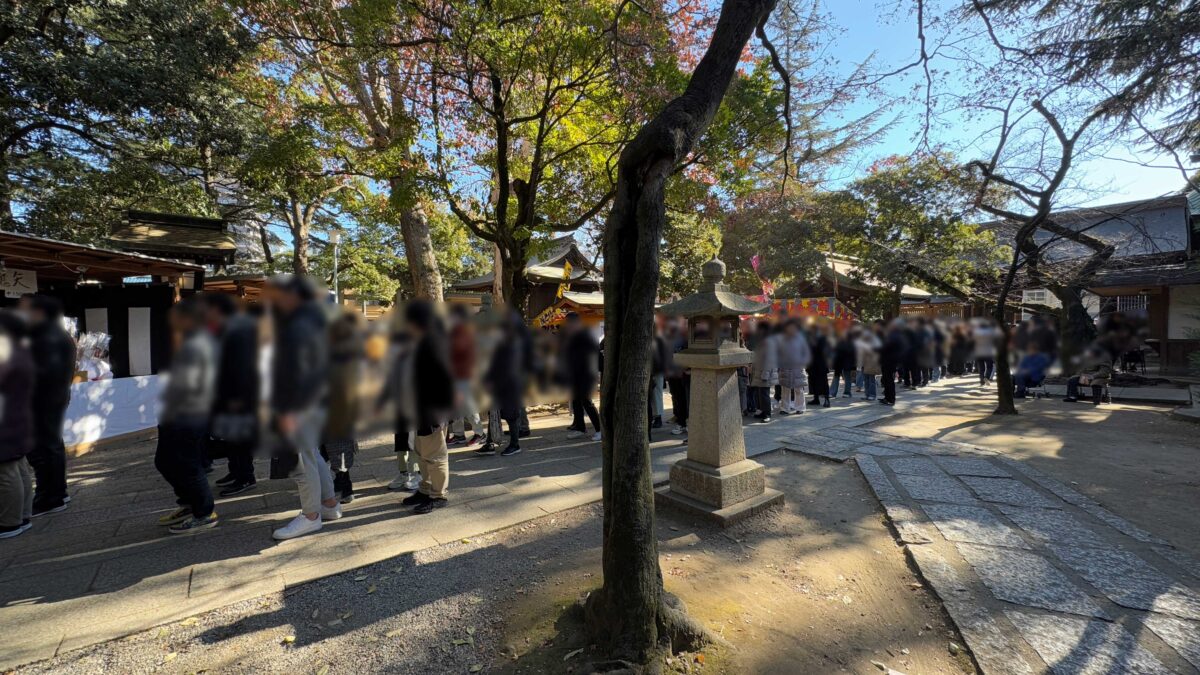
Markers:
573,434
299,527
596,436
678,430
413,482
331,512
398,482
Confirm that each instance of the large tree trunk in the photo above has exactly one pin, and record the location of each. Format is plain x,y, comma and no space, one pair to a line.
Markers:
497,276
1077,328
1005,403
418,247
630,615
516,286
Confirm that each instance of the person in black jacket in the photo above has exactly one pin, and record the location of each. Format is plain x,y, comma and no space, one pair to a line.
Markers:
299,381
235,412
505,379
580,367
845,360
53,353
16,427
891,357
426,402
818,367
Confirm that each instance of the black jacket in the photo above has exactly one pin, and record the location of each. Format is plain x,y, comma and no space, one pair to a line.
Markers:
505,376
845,355
895,348
237,369
53,354
300,370
16,405
581,354
433,387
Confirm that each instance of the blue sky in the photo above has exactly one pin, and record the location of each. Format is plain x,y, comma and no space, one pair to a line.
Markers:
887,28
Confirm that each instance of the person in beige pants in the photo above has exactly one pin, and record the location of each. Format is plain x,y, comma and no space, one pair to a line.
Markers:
426,402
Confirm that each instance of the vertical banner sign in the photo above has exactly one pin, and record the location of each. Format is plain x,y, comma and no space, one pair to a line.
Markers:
139,340
566,282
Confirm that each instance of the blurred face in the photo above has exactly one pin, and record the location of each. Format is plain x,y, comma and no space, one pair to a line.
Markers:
280,300
32,315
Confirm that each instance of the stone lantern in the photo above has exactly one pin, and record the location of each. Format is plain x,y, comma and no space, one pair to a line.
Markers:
716,480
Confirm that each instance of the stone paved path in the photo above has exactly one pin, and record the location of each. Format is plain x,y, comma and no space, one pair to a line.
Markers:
1037,576
102,569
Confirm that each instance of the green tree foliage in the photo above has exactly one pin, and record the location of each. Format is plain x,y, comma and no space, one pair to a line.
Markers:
84,80
907,224
531,103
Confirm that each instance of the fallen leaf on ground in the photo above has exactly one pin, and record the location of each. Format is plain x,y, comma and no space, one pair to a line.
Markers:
571,655
371,589
361,577
470,630
347,615
880,666
315,613
190,621
289,639
393,633
323,670
475,668
170,657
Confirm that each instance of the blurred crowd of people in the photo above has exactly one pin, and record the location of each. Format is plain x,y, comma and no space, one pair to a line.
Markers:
285,382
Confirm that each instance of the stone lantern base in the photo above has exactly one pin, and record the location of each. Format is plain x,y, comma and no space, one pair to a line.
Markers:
723,495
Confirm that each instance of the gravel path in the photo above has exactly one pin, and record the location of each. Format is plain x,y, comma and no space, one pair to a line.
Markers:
435,611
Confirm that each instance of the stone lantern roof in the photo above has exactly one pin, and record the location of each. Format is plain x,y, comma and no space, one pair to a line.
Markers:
714,297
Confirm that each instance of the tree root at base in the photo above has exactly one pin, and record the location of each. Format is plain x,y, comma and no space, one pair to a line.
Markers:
678,632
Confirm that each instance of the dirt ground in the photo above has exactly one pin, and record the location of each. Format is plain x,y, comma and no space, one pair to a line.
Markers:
1134,459
817,586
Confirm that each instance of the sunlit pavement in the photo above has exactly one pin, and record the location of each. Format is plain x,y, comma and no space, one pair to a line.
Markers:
103,568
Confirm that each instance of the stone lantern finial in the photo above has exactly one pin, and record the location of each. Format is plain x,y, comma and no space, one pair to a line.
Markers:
713,272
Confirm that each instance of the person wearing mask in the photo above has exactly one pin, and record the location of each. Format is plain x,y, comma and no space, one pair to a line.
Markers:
867,356
764,369
580,353
818,367
794,357
299,390
53,354
339,439
891,358
183,421
234,430
462,366
505,381
16,427
845,358
425,404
